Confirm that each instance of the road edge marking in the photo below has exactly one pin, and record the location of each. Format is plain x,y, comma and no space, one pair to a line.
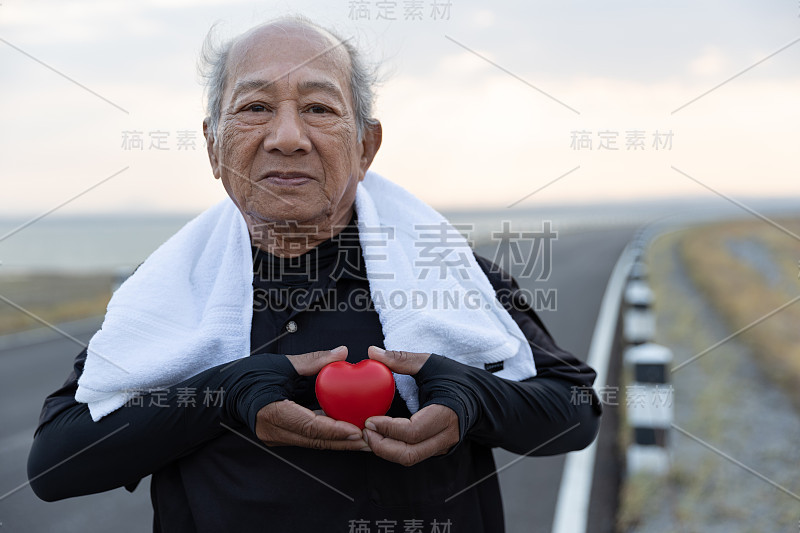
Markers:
572,505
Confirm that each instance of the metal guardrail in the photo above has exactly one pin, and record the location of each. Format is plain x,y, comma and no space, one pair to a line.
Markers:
648,400
572,506
625,325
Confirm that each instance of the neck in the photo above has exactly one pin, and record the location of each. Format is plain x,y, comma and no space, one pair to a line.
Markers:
290,238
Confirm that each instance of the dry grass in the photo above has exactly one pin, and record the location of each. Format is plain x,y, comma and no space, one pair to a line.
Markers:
742,294
638,500
52,297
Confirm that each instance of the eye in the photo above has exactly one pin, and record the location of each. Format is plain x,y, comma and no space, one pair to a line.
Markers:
317,109
256,108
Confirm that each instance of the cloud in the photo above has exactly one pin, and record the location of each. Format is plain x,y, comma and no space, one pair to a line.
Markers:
711,62
458,131
483,18
495,140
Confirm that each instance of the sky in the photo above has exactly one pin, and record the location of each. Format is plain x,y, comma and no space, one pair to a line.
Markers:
483,105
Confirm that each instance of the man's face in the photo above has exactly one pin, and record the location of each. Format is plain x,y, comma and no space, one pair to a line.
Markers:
287,148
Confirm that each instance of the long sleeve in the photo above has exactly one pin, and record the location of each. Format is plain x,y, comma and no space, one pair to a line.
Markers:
537,416
73,455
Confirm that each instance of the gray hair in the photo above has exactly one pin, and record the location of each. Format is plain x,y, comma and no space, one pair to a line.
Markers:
213,62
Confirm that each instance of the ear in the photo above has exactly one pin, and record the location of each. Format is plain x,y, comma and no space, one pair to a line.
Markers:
211,147
370,143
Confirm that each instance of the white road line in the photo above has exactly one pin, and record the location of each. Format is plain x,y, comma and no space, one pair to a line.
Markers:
572,507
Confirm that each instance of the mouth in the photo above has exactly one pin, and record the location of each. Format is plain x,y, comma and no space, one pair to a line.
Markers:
287,179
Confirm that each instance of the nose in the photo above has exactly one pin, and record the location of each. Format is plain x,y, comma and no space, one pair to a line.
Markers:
287,132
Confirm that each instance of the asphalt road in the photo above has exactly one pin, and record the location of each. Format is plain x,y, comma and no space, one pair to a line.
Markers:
582,262
27,375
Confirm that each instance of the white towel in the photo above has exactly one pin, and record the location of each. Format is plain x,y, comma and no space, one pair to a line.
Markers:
189,306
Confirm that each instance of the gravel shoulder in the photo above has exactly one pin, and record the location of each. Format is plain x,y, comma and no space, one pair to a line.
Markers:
734,450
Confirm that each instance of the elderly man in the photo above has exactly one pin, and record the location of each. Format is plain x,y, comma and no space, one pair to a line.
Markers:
291,137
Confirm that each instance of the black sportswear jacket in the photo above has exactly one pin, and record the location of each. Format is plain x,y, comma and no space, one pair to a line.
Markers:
211,474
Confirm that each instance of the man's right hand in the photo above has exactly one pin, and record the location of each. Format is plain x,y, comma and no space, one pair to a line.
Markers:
286,423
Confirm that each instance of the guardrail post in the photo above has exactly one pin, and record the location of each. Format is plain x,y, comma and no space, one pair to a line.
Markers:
638,322
649,402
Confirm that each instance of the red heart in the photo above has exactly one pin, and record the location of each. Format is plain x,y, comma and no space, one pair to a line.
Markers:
355,392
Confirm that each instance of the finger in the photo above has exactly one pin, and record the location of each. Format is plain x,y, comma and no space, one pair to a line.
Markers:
422,425
297,419
399,429
404,453
309,364
283,437
399,361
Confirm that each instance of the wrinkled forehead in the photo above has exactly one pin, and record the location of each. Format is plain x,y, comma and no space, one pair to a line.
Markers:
285,48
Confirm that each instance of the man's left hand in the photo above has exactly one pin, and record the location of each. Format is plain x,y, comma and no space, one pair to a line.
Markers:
432,430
